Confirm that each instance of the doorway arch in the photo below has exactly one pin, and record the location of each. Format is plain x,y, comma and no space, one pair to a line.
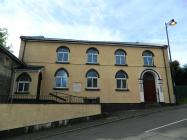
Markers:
150,86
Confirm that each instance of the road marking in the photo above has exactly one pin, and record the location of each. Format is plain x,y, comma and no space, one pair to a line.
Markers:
165,125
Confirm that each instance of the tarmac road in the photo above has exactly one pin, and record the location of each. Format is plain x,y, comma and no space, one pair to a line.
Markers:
166,125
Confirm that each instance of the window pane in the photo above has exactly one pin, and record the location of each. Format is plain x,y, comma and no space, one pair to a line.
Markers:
58,82
150,61
63,50
92,74
94,58
122,59
147,54
64,82
93,51
65,57
119,52
20,86
24,77
120,74
124,83
117,59
95,82
118,83
60,56
26,87
61,73
89,57
89,82
145,61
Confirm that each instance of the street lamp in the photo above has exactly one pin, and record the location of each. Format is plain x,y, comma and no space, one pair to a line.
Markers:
172,22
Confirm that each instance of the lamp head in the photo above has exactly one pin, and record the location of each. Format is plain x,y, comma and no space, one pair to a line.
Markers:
172,22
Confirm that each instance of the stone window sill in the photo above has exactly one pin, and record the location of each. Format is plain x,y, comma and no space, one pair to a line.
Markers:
149,65
122,89
121,65
92,63
62,62
56,88
92,89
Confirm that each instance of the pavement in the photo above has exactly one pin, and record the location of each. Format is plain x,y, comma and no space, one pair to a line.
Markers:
142,124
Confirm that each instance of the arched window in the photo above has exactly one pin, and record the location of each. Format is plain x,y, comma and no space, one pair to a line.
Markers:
61,78
121,80
92,55
120,56
92,79
23,82
148,58
63,54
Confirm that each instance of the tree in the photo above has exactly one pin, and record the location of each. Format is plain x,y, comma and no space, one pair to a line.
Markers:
180,73
3,38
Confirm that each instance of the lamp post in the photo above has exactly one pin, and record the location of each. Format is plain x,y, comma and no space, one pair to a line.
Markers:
172,22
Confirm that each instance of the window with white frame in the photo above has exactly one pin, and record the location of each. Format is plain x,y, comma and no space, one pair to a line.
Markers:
92,56
62,54
92,79
121,80
61,79
120,57
148,58
23,82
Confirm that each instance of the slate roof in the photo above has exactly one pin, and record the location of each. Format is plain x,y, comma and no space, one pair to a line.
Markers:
72,41
13,57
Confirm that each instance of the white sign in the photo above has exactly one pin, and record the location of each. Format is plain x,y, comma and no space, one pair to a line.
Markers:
77,87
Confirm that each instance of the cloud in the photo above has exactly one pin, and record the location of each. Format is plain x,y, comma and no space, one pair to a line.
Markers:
117,20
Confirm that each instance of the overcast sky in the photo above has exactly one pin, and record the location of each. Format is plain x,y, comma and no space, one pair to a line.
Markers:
107,20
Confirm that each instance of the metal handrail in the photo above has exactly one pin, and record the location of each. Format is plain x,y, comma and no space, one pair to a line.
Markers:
54,98
76,99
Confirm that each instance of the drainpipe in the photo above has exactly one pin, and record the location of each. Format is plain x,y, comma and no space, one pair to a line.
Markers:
166,75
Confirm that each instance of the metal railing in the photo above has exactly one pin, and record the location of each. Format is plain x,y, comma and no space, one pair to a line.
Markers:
52,98
67,98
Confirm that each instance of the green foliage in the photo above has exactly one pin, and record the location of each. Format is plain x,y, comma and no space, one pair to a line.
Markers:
181,93
180,73
3,36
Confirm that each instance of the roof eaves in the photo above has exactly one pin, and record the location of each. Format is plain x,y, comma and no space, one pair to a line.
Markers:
112,43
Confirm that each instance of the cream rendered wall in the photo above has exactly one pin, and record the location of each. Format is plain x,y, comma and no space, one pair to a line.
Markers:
44,53
22,115
32,85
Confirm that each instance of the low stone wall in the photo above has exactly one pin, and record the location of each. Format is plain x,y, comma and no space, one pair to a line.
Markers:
23,115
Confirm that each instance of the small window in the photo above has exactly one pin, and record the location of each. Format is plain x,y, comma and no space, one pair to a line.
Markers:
121,80
23,82
92,79
120,57
61,79
92,56
148,58
63,54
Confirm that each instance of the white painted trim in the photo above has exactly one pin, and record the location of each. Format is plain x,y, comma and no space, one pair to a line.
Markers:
158,86
169,124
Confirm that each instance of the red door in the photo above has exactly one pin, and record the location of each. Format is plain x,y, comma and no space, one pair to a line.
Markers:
149,88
